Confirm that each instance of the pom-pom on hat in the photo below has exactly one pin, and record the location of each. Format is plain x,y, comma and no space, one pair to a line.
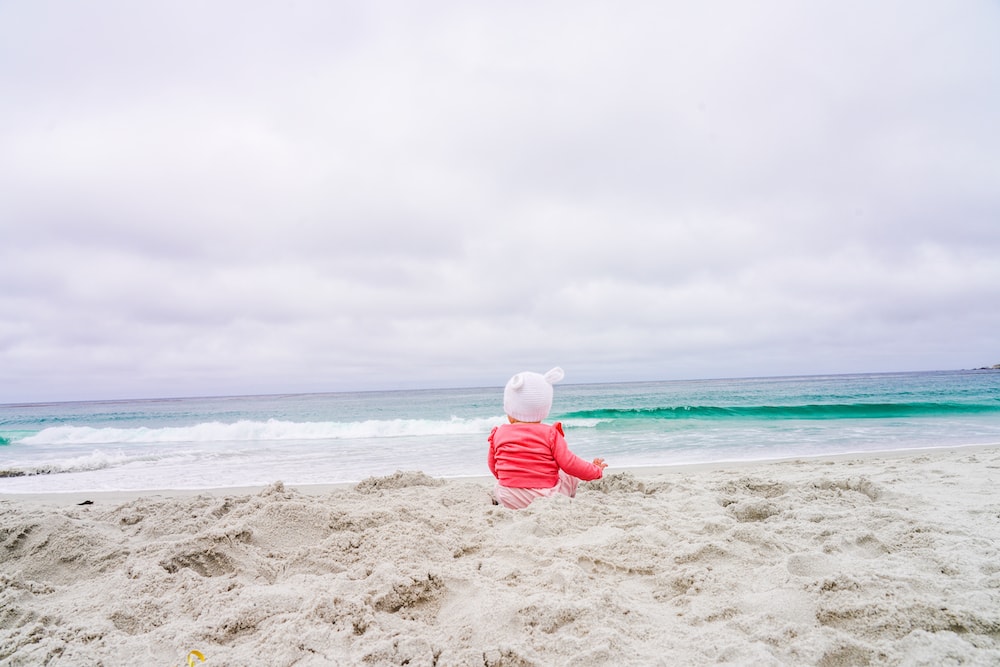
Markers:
528,396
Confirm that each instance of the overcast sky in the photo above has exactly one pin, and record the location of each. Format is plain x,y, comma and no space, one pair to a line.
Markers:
202,198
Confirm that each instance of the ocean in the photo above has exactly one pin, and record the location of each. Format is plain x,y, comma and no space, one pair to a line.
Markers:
195,443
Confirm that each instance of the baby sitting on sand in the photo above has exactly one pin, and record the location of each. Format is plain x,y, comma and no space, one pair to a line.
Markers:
531,459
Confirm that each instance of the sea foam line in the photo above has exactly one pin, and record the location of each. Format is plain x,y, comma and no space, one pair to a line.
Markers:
97,460
270,430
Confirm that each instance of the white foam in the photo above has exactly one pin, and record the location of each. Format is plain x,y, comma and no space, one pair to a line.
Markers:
260,431
96,460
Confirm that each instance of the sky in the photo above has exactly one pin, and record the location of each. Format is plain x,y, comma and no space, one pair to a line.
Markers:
245,197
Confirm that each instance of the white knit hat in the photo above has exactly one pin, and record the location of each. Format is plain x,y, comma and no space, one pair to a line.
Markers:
528,396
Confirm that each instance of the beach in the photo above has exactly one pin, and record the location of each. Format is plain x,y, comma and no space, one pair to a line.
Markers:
875,559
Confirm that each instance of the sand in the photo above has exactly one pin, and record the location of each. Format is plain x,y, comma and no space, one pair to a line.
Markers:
881,560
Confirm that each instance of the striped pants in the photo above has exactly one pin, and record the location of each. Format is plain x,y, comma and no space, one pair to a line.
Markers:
516,499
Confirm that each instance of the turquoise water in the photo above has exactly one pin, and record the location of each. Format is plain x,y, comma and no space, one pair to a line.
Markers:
344,437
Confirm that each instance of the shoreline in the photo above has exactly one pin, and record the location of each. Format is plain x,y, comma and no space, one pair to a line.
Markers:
73,497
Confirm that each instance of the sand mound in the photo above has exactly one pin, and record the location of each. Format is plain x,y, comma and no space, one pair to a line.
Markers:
397,480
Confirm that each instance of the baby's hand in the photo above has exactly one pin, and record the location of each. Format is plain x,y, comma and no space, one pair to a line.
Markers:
600,463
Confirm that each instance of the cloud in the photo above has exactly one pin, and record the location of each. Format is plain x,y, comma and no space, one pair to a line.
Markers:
243,198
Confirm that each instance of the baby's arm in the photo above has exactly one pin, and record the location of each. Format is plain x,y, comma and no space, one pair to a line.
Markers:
573,464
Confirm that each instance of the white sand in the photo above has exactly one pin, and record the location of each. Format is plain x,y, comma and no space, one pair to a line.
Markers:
885,560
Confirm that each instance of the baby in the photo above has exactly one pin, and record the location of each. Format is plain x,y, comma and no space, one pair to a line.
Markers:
531,459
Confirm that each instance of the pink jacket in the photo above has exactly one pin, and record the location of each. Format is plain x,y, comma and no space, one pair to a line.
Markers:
529,456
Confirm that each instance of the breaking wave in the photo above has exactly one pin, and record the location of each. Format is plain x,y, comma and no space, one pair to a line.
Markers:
774,412
260,431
